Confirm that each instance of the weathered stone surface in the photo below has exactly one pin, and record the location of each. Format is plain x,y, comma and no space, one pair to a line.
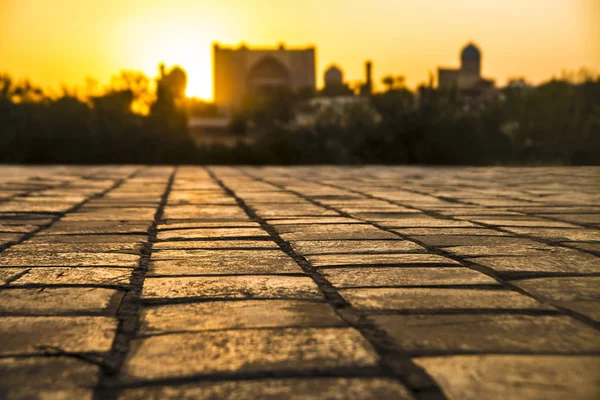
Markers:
233,262
212,233
515,377
437,299
354,246
237,315
47,378
56,301
235,287
332,232
27,259
9,273
38,335
571,262
389,276
75,276
214,244
251,350
332,260
272,389
216,307
427,334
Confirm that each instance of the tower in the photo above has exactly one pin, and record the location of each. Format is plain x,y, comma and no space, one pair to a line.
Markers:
470,59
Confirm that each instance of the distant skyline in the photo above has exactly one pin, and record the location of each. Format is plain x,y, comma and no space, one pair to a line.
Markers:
55,42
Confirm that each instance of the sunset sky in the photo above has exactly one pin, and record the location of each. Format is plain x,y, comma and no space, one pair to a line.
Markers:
64,41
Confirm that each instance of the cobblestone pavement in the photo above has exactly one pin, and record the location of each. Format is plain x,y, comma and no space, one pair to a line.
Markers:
313,282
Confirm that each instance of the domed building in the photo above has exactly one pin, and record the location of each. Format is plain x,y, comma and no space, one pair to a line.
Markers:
333,76
468,77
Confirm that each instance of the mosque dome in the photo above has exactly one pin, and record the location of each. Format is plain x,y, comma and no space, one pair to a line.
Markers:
333,76
470,52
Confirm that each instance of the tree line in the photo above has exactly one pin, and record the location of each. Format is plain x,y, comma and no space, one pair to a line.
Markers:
135,121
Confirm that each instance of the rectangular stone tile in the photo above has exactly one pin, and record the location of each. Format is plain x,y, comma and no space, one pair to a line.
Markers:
303,388
427,223
237,315
38,247
56,301
451,334
577,218
36,207
14,228
312,247
47,378
313,221
211,213
89,239
9,273
473,240
524,222
513,250
559,235
234,287
75,276
32,335
563,262
585,246
6,238
212,233
332,232
112,214
244,351
438,299
390,276
214,245
449,232
96,227
523,377
333,260
26,259
291,210
208,224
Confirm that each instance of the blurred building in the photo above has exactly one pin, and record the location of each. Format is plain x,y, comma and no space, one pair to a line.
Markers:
467,78
242,71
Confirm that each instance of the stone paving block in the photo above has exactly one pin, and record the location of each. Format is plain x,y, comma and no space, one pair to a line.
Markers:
47,378
6,238
473,240
212,233
14,228
9,273
231,287
251,350
291,210
389,276
558,235
523,377
39,247
56,301
524,222
210,262
428,222
271,389
313,220
406,260
473,333
515,250
208,224
312,247
577,218
75,276
449,232
89,239
595,247
113,214
332,232
237,315
214,245
36,207
209,213
438,299
97,227
567,262
26,259
38,335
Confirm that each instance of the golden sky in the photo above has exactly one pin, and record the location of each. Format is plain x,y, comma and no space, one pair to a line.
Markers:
64,41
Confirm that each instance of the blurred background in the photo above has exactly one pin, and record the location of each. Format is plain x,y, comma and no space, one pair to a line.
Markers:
462,82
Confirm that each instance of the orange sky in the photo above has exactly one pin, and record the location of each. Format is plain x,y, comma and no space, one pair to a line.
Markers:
65,41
